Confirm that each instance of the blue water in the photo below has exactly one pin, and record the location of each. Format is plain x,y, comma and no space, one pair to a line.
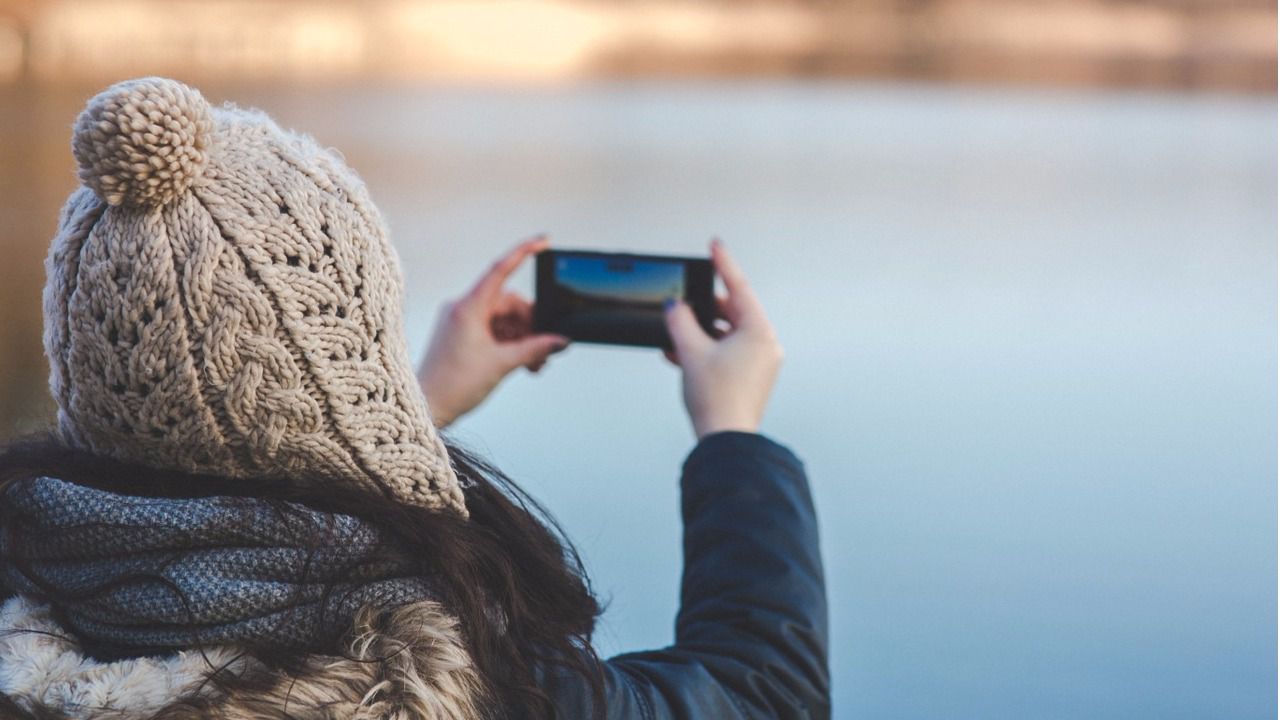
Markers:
1031,363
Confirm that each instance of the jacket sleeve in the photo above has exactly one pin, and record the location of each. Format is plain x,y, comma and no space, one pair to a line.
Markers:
751,633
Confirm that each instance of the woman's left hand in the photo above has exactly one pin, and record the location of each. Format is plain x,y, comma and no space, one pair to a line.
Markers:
480,338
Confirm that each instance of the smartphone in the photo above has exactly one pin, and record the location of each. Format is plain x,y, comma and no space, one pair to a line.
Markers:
619,298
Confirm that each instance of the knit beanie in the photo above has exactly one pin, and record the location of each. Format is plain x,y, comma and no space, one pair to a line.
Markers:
222,299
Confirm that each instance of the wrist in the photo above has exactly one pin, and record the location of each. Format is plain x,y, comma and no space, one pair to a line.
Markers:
702,429
439,411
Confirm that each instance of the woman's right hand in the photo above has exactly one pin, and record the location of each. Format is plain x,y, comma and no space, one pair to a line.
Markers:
727,381
482,337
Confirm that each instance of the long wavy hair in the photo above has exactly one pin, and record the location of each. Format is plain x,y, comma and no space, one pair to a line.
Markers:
510,560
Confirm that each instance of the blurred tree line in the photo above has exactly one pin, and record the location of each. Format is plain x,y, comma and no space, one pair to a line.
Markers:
1186,44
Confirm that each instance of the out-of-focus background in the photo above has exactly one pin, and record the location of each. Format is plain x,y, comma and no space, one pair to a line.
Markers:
1022,255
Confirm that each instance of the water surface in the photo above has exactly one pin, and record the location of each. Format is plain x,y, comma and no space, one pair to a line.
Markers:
1030,362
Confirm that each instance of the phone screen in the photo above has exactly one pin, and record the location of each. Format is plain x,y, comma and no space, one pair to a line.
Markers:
615,298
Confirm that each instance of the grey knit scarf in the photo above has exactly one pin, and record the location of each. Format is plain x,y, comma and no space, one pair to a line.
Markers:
147,573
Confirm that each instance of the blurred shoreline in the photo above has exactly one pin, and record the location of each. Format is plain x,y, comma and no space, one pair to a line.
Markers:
1185,45
426,150
323,57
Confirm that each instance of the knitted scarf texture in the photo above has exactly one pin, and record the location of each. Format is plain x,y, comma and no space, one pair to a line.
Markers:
140,574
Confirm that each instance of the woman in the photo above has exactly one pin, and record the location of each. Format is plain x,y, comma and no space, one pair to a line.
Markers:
246,510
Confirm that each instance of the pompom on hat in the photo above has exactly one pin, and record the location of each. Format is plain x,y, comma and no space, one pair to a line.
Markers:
222,299
143,141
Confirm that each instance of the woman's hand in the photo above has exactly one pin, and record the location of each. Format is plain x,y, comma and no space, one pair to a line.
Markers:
727,382
480,338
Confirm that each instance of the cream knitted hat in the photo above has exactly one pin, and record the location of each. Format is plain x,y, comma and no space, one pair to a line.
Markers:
222,299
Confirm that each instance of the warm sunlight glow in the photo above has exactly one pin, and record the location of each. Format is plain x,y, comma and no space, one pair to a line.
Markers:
539,41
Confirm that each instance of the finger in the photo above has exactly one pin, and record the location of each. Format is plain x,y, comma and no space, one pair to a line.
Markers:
511,318
513,303
686,334
725,311
743,306
505,328
488,287
521,309
670,355
531,350
735,280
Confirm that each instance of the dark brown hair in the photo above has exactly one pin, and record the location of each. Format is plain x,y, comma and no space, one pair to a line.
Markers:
510,559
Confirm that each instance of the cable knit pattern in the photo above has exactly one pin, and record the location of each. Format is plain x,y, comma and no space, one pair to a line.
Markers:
226,301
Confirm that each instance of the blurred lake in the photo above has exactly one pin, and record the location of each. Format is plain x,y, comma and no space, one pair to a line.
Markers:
1031,362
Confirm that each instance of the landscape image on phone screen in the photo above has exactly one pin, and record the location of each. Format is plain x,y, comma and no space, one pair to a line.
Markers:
615,297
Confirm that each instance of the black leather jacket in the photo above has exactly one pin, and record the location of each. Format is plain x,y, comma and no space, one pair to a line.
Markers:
751,633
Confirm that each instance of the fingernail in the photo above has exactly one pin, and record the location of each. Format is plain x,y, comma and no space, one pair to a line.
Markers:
668,303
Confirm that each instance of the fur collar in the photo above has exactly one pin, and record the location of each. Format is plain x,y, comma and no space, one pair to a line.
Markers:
407,664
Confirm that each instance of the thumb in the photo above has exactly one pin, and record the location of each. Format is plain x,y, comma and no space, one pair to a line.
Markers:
686,334
532,350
